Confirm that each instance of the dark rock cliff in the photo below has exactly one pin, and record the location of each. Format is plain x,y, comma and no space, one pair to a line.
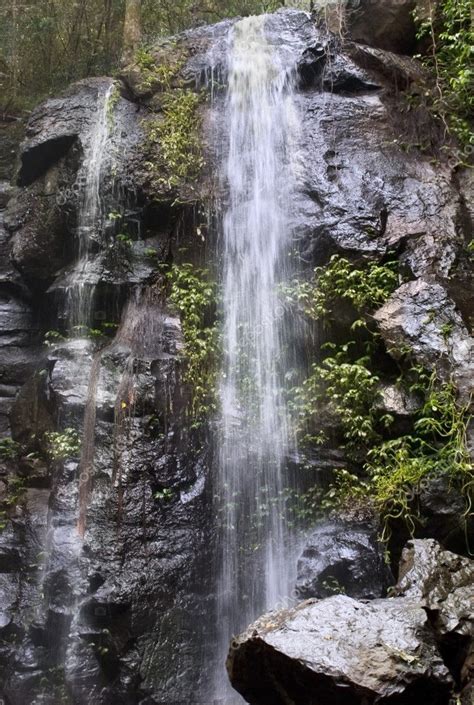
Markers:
123,616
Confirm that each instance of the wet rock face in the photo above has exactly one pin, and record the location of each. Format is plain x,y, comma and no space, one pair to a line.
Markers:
121,617
442,581
421,315
343,558
409,649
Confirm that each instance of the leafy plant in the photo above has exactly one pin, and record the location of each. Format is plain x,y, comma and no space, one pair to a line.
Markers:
63,444
15,490
350,390
165,495
110,107
53,337
365,287
436,447
125,239
450,36
193,295
9,449
175,135
396,468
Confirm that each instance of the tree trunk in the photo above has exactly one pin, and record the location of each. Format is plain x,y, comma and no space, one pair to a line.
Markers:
132,29
14,61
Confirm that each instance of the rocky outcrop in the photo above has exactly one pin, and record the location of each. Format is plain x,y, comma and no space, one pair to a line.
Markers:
441,581
385,24
420,317
343,651
343,557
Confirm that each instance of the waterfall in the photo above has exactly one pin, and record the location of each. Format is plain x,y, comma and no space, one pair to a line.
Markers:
80,293
256,238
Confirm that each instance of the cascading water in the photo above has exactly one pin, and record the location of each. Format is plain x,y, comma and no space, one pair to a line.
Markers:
80,293
256,239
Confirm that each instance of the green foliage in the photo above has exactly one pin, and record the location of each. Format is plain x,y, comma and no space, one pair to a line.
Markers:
158,71
349,387
193,295
47,44
365,287
436,447
15,490
395,469
451,47
9,449
174,136
345,389
124,239
333,586
53,337
164,495
63,444
110,107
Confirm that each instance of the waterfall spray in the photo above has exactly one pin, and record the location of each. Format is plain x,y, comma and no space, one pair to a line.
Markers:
256,237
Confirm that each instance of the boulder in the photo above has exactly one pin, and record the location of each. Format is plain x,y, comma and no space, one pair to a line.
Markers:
343,557
442,581
386,24
421,317
341,651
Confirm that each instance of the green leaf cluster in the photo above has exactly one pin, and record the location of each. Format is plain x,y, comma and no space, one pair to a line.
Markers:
175,136
450,34
344,387
63,444
350,389
193,295
366,287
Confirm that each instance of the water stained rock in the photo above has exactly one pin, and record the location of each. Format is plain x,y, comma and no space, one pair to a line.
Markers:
343,558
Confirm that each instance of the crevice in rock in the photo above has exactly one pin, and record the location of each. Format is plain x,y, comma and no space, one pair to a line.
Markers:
37,160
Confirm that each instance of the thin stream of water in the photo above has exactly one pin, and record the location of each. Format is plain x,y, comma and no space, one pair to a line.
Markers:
80,293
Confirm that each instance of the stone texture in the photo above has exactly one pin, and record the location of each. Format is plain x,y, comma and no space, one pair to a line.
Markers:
341,651
442,581
142,634
343,557
415,647
420,316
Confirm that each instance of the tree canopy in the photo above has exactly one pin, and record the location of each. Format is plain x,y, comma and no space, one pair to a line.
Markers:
46,44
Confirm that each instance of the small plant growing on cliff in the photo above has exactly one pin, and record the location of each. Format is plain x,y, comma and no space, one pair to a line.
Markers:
438,447
366,287
9,449
448,28
63,444
194,297
53,337
396,469
111,104
349,387
173,135
176,136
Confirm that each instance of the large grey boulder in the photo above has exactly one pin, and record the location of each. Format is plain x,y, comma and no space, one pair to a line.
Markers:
341,651
412,648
